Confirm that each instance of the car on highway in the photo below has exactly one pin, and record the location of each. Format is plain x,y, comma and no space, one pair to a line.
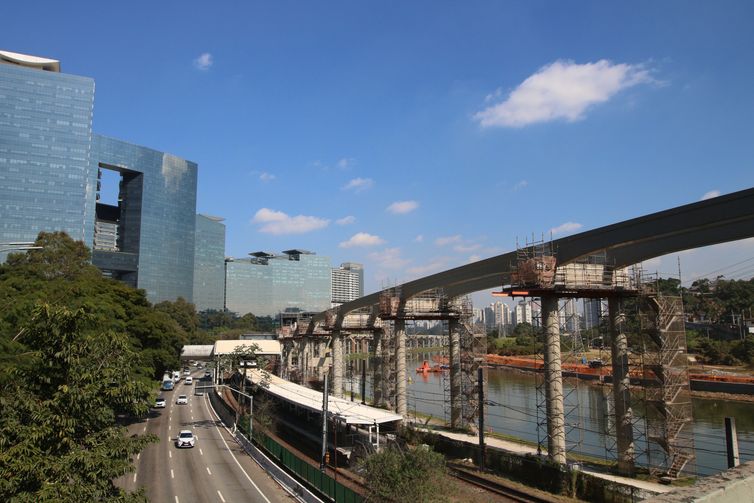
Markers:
189,381
185,438
186,372
207,373
159,403
181,400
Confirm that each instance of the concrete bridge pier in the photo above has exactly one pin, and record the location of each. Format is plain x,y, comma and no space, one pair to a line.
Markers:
401,397
455,372
621,393
556,435
377,368
337,363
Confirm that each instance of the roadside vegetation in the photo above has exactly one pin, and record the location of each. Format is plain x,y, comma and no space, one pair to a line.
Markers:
79,356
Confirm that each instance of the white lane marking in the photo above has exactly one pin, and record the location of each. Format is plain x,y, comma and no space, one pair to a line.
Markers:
170,453
221,496
231,452
172,475
209,471
200,452
168,427
176,500
139,455
145,428
134,476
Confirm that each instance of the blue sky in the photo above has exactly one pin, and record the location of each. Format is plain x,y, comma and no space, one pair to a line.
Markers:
418,136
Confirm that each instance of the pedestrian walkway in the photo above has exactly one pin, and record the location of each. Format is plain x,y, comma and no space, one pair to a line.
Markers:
523,449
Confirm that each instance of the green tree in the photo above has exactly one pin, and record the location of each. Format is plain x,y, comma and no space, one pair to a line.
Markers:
59,440
416,475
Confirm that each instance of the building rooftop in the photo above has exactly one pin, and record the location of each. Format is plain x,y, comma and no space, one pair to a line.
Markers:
29,61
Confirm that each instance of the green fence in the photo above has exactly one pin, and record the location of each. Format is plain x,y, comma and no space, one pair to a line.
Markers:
320,481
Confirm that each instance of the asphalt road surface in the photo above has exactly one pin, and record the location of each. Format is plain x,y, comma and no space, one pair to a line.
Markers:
215,470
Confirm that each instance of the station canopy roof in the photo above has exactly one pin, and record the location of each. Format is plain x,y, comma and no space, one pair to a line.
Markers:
264,346
347,411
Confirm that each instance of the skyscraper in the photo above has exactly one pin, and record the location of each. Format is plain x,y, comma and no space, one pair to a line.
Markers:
50,180
209,263
523,313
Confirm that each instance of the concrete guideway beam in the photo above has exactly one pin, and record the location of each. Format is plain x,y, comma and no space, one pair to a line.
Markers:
725,218
556,434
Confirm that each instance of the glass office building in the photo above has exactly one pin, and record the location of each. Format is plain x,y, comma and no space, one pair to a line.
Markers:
156,218
46,180
50,167
268,284
209,263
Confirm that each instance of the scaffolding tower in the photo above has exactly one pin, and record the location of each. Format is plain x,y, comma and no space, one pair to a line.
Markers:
666,384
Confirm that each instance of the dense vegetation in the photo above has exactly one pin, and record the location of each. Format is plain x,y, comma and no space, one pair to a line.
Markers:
79,354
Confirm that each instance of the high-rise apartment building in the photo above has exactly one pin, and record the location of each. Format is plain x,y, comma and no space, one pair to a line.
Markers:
268,284
209,263
592,313
523,313
347,283
50,175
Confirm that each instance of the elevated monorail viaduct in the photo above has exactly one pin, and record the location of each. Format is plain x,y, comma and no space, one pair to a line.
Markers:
717,220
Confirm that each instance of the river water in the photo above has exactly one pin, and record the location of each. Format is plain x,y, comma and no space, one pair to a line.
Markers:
513,411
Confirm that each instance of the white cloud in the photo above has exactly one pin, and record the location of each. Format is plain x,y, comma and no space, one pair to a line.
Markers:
346,163
402,207
279,223
350,219
474,258
566,227
520,185
266,177
710,194
362,239
203,62
389,258
562,90
358,184
446,240
466,248
419,238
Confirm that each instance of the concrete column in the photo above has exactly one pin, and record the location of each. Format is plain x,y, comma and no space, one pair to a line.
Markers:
388,367
556,435
377,368
621,393
455,373
401,393
337,363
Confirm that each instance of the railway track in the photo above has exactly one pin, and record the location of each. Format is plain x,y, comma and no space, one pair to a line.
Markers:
506,491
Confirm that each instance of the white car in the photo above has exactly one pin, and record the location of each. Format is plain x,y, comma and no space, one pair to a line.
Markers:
159,403
181,400
189,381
185,438
186,372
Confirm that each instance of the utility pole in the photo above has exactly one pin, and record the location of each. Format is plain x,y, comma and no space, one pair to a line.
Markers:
482,453
363,382
324,427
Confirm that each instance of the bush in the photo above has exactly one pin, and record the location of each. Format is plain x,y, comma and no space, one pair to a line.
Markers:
417,475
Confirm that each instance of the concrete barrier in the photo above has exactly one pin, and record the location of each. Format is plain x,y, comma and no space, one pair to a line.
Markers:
732,486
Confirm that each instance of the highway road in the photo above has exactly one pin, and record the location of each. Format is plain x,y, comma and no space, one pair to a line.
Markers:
215,470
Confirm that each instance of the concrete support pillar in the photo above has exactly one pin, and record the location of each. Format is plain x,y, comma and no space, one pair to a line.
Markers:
621,393
455,373
556,435
337,363
377,368
401,394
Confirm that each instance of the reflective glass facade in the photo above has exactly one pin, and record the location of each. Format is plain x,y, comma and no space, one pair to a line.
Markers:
268,287
157,216
209,263
46,179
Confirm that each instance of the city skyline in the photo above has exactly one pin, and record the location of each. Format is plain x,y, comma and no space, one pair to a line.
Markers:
414,150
